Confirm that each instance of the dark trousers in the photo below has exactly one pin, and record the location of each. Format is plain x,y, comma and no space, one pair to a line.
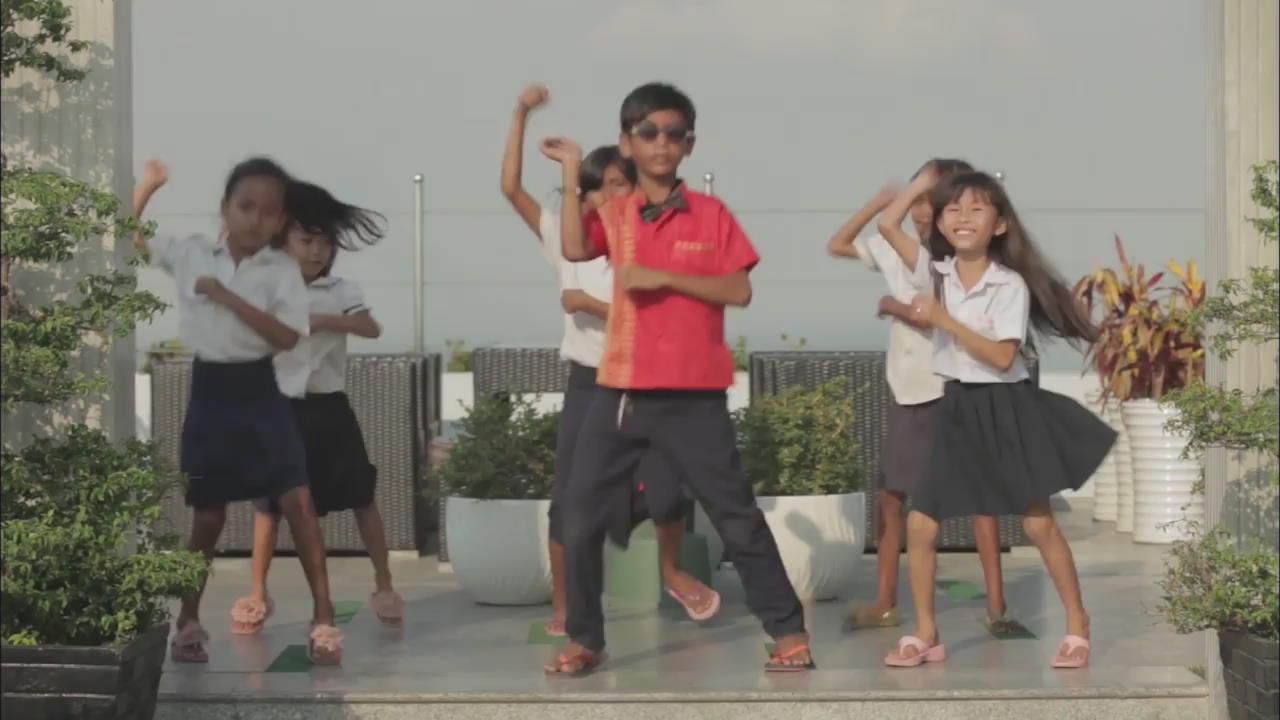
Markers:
693,433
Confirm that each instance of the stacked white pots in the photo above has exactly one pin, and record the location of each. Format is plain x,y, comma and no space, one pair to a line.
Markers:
1106,491
1163,482
1124,469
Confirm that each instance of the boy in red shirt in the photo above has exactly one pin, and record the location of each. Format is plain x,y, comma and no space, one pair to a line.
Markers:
680,258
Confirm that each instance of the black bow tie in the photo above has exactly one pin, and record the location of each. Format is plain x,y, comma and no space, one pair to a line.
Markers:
675,201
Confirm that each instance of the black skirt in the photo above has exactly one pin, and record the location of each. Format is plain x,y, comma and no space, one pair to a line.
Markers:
239,438
999,447
904,460
342,478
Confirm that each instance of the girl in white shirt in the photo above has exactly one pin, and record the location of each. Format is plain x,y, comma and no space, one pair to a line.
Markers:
916,391
241,302
1001,445
585,292
313,375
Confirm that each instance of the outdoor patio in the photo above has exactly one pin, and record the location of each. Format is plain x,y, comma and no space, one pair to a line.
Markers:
456,659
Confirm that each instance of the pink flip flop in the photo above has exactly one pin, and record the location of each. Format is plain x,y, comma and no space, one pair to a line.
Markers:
188,644
324,645
1064,659
924,653
249,615
688,602
388,606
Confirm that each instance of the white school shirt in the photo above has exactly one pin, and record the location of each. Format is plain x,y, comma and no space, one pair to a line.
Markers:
583,340
998,307
269,280
318,364
909,361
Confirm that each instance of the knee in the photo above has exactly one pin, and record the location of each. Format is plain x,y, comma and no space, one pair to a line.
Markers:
297,502
921,529
1039,527
210,518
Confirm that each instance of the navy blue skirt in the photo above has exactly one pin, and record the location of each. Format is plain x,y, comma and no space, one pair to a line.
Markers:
999,447
240,440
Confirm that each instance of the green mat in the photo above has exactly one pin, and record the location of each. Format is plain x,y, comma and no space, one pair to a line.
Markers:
344,610
292,660
538,635
961,590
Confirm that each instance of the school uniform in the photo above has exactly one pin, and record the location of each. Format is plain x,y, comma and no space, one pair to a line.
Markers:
916,389
1000,442
582,346
239,441
665,371
314,376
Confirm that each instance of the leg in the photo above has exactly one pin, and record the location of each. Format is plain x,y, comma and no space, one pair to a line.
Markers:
699,601
698,439
1043,530
385,601
206,527
555,626
884,611
986,530
922,565
250,613
579,393
305,526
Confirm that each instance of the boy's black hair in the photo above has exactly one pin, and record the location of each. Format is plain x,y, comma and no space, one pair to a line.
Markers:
651,98
317,211
255,167
591,173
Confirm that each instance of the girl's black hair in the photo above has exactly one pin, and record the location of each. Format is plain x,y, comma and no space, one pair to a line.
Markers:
1054,309
255,167
594,165
317,211
944,167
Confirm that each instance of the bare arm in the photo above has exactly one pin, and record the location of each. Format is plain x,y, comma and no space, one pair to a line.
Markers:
281,336
361,324
575,301
890,225
513,160
154,176
999,354
900,310
573,239
841,244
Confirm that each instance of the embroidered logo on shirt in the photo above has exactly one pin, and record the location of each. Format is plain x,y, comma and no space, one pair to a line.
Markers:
691,246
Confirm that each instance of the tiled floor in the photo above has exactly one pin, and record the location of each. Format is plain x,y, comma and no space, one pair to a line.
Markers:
450,647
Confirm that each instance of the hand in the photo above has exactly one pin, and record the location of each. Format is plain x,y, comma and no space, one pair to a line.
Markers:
154,175
638,277
928,310
320,322
210,287
885,306
562,150
887,194
573,301
532,98
927,178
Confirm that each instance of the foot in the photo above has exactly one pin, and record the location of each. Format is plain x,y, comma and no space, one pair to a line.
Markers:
388,606
324,644
573,660
699,601
554,627
188,642
908,653
1074,650
880,614
249,615
791,654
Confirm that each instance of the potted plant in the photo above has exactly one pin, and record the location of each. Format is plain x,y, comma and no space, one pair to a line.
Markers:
800,455
1213,580
86,581
497,481
1149,347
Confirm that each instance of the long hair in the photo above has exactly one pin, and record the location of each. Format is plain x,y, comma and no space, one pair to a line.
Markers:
594,165
317,211
1054,309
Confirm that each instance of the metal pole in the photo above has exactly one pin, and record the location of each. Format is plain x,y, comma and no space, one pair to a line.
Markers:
418,345
999,177
709,184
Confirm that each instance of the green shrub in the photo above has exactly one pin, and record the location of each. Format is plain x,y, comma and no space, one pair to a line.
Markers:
1211,584
800,442
507,451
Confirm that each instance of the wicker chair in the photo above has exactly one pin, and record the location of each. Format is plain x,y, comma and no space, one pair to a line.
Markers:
773,372
397,401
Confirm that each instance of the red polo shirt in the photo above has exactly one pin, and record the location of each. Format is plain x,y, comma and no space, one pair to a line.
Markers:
662,339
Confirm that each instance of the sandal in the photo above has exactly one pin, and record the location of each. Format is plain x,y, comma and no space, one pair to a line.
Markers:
781,661
324,645
1004,627
584,662
690,602
924,653
188,643
249,615
554,628
862,617
1064,658
388,606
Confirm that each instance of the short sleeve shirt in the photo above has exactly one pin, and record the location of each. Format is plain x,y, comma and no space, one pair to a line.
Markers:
998,307
318,363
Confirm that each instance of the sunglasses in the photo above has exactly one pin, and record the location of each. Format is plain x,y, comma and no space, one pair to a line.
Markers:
649,132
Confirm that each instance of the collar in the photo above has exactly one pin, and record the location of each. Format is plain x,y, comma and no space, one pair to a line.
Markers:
323,283
996,274
220,248
676,201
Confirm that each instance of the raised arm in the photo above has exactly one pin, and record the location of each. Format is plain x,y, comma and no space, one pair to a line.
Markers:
154,176
841,244
890,225
513,189
573,238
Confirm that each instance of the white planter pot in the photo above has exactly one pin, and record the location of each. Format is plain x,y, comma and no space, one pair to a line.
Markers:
1106,491
1123,462
821,539
702,525
1162,480
498,549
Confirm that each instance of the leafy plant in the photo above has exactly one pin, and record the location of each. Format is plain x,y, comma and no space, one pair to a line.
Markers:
1209,583
82,558
800,442
507,452
459,356
1149,343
